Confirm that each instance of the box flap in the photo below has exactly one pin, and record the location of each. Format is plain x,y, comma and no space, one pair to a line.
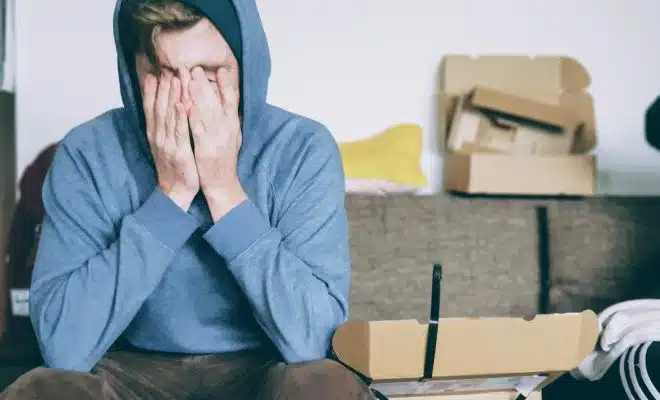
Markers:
370,347
536,76
555,80
474,396
553,175
520,107
468,347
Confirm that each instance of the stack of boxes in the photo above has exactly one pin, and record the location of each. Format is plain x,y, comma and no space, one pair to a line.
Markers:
515,125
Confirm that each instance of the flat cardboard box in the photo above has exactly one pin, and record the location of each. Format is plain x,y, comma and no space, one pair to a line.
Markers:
479,396
472,355
557,85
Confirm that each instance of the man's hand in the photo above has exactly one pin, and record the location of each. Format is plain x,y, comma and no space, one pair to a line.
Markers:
169,139
216,131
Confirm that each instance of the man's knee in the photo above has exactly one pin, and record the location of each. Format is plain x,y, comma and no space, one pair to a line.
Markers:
35,377
46,383
324,379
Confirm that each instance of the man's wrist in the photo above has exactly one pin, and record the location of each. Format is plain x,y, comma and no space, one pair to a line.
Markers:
183,200
222,201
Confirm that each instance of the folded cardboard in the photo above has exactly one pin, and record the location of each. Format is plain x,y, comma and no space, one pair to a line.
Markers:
517,125
494,121
479,396
472,355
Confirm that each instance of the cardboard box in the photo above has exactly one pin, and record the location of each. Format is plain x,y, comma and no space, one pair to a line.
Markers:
515,125
473,355
478,396
462,356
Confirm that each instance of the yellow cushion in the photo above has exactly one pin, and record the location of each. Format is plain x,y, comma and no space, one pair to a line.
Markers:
391,156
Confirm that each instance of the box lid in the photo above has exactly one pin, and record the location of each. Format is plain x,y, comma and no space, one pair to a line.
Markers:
518,73
467,347
474,396
556,80
550,115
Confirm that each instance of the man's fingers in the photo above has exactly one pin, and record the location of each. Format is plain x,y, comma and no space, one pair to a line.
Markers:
184,76
149,100
204,97
162,101
182,132
228,91
174,96
197,126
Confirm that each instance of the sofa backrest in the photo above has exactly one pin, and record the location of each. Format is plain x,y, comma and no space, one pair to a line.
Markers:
487,249
601,251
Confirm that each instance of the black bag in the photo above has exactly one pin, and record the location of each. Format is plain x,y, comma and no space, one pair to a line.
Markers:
18,344
652,124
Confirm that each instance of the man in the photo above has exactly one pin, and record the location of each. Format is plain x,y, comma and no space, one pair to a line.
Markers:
201,225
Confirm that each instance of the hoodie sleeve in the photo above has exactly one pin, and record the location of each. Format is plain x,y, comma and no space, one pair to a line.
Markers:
93,272
296,274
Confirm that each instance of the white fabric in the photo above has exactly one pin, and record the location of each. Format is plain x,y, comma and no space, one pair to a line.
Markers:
622,326
376,187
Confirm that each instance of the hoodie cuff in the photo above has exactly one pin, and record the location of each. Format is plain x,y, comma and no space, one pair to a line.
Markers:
237,231
165,220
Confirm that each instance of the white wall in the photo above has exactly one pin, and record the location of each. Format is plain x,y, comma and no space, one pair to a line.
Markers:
362,65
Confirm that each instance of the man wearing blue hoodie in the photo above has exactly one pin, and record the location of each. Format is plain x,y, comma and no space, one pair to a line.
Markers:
200,225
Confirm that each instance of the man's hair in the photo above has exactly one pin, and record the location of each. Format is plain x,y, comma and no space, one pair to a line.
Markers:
151,17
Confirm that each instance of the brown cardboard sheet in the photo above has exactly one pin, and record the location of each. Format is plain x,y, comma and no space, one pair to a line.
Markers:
477,396
473,355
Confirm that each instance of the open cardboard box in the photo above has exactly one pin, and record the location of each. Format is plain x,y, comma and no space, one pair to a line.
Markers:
476,396
490,358
517,125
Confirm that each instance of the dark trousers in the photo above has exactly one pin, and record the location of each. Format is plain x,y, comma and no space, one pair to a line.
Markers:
123,375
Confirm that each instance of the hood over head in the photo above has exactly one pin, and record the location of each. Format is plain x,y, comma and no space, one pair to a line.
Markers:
240,24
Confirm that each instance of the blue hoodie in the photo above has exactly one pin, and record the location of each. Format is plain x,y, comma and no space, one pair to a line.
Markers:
118,257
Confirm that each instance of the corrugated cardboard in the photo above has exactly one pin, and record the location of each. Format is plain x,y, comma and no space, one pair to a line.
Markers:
478,396
545,89
472,355
479,173
493,121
